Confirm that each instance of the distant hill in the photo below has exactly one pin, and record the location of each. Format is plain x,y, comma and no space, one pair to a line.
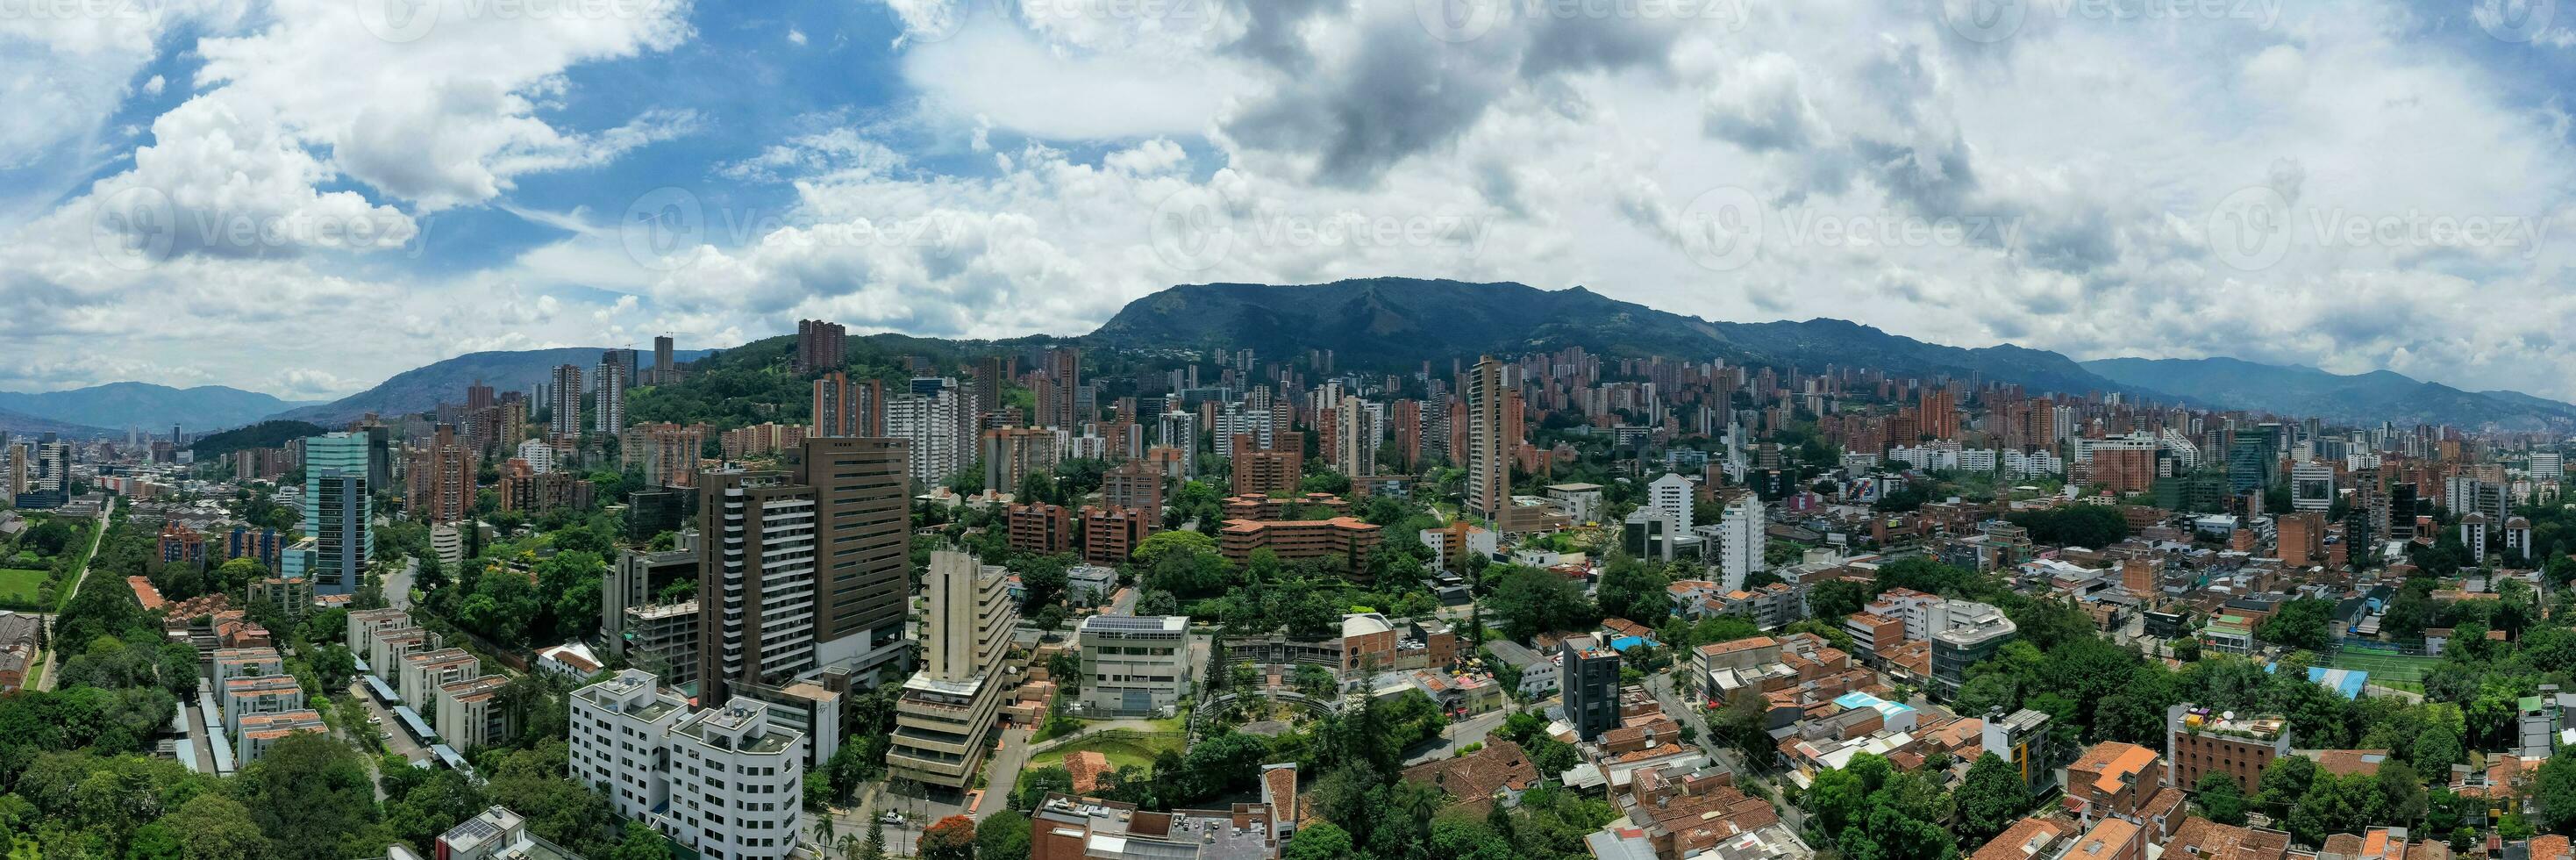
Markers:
421,389
1393,322
2365,398
265,434
23,424
118,405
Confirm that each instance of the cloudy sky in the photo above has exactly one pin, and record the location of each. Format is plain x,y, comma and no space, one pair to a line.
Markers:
306,196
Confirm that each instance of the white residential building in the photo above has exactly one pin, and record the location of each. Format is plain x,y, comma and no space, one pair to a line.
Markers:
724,782
539,454
1733,545
930,423
2548,466
1675,497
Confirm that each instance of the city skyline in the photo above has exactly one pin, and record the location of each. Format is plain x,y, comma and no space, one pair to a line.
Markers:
1560,149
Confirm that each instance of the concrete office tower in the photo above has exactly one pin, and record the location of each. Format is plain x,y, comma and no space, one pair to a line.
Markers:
804,572
948,708
1134,666
848,407
564,398
608,398
1488,460
928,419
338,512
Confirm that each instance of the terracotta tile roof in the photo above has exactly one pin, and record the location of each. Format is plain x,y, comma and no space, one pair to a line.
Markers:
2350,762
1475,778
2026,838
2214,841
2551,847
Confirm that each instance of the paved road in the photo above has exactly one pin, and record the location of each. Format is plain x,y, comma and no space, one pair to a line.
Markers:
1460,733
397,740
398,584
53,661
1002,771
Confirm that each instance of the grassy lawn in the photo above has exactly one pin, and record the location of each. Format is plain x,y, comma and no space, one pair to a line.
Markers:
2385,668
1122,748
18,585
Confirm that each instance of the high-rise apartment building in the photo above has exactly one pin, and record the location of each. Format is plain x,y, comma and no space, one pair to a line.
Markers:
1278,469
1179,430
819,345
848,407
1735,543
338,513
665,370
608,396
1012,454
667,454
1491,388
804,570
564,399
440,478
948,708
929,420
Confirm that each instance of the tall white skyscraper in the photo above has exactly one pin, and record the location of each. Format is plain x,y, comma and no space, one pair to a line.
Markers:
929,419
1734,544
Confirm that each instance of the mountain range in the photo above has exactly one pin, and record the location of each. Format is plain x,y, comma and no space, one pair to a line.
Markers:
2361,398
117,405
421,389
1397,323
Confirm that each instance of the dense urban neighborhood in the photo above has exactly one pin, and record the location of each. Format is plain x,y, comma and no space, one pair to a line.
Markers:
836,596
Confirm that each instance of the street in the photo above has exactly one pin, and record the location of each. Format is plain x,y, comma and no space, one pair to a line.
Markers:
1472,730
398,584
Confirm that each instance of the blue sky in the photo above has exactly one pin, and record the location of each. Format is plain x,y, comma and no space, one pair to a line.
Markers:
2355,186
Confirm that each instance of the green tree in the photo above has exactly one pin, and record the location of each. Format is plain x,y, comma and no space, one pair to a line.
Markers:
1005,836
952,838
2554,791
1529,601
2220,798
1321,840
639,841
1992,798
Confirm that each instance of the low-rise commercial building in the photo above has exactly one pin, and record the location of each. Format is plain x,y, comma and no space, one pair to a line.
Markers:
1133,665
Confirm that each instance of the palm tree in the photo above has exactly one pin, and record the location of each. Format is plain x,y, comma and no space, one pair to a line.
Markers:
823,827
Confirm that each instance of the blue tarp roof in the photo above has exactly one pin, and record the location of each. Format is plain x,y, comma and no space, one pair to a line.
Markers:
2347,682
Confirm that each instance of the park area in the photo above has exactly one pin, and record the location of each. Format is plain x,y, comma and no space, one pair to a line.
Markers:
1122,748
20,587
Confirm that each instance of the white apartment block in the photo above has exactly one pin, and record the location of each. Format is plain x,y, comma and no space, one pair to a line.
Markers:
2548,466
422,674
469,714
1734,544
930,422
723,782
1134,665
1675,497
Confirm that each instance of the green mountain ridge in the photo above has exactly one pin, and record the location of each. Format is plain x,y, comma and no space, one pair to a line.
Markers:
2362,398
117,405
